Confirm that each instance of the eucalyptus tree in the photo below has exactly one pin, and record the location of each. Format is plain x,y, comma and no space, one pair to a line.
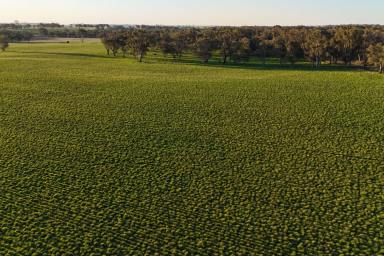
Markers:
348,40
4,43
167,44
370,37
82,33
174,43
314,46
184,39
261,43
240,50
123,39
112,42
225,39
279,43
140,41
334,50
376,56
205,44
294,39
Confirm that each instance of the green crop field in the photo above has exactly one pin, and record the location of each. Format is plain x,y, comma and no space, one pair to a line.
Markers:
108,156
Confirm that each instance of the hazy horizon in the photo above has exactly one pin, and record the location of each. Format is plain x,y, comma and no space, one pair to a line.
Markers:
196,13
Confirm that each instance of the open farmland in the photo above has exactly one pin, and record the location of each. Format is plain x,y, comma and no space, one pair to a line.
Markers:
113,157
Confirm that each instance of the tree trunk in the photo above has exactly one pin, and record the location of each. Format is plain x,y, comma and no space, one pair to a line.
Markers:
141,57
264,58
225,59
381,69
108,52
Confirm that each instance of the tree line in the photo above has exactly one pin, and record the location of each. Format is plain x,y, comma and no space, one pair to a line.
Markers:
350,45
29,34
361,45
16,32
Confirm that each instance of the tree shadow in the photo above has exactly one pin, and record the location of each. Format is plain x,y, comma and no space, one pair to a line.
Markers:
71,54
216,63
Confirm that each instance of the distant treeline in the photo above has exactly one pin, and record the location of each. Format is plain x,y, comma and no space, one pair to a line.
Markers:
17,32
351,45
25,32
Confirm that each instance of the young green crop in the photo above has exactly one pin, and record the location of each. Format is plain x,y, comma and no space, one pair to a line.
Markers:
112,157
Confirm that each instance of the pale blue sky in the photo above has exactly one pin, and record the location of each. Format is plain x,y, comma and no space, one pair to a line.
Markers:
195,12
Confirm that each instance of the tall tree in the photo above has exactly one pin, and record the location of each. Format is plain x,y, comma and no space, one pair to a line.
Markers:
183,40
225,39
348,40
279,43
240,50
4,43
293,42
370,37
261,43
334,49
166,44
112,42
123,41
376,56
314,46
205,45
82,33
139,42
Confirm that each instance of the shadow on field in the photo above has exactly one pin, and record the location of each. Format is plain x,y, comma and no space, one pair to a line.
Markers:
259,66
286,67
215,62
70,54
253,64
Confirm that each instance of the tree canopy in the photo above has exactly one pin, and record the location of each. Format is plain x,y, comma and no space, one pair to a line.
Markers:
351,45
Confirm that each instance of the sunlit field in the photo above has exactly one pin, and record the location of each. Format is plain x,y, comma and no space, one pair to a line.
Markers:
110,156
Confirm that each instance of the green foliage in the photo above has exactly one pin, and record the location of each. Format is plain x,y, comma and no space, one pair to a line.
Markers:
376,56
239,44
107,156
